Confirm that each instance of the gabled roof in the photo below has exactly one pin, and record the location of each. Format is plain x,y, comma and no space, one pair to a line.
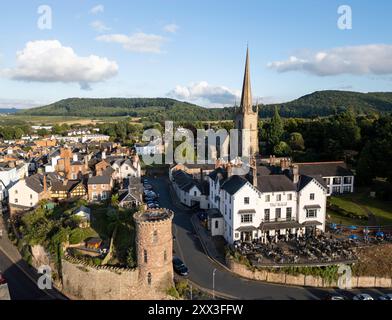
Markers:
324,169
36,182
234,184
305,180
185,181
83,209
219,173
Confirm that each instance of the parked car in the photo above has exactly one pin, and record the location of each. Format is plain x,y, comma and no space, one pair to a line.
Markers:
4,291
202,216
180,267
334,297
2,280
363,297
386,297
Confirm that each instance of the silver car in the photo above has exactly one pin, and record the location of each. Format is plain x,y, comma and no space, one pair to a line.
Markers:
363,297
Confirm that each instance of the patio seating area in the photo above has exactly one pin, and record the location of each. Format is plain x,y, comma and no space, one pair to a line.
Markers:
321,249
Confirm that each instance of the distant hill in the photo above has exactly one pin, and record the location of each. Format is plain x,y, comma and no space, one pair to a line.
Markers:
326,103
8,110
154,109
317,104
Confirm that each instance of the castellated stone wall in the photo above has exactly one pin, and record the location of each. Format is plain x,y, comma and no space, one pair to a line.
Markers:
149,281
84,282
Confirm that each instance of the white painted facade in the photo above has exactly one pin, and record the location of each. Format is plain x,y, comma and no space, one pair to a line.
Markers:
339,184
126,170
248,208
21,195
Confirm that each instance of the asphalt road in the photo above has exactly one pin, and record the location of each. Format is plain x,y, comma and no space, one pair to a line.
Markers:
21,278
21,287
187,246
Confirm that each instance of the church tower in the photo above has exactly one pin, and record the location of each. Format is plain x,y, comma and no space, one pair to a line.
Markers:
246,120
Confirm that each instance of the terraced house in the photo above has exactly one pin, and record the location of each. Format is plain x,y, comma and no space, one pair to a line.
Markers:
100,187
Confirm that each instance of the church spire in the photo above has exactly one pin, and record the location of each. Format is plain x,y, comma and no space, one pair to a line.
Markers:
246,98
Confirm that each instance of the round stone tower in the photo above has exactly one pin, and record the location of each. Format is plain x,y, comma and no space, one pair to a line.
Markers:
154,245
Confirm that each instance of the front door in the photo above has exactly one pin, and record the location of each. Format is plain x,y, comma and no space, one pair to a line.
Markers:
246,236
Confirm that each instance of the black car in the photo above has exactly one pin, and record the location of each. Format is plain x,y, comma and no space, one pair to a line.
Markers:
180,267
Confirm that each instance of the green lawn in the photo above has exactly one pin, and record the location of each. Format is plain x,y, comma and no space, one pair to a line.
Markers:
339,219
358,203
347,204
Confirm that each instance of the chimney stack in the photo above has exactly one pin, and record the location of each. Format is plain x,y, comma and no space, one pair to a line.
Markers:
229,169
253,167
45,184
295,172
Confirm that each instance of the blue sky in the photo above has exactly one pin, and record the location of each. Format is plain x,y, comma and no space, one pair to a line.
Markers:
191,50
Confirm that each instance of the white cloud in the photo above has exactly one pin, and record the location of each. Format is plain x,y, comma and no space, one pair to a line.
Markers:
137,42
50,61
97,9
18,103
99,26
171,28
358,60
213,95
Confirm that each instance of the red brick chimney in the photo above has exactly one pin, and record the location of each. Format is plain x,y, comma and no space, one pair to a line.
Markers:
45,184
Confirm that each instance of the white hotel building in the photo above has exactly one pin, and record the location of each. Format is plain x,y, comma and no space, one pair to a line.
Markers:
266,206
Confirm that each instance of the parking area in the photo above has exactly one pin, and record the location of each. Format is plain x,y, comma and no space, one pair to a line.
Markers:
150,196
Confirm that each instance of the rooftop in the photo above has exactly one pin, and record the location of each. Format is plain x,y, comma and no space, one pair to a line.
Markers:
153,215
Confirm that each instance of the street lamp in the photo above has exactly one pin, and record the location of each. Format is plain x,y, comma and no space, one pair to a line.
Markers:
213,284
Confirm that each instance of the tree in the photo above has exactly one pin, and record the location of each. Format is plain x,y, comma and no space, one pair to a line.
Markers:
114,202
18,133
42,132
346,129
276,130
282,149
131,258
365,169
296,142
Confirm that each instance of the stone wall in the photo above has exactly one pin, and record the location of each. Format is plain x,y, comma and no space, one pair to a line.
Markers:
302,280
39,256
84,282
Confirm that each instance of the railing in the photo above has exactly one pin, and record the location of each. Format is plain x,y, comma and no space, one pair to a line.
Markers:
292,219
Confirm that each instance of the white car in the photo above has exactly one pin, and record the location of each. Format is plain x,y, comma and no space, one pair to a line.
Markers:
363,297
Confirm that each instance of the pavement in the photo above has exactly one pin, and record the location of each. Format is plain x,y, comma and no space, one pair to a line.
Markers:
22,279
201,266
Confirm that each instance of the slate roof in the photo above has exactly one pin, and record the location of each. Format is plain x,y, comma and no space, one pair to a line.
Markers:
83,209
104,179
233,184
219,172
58,185
305,180
275,183
133,190
36,182
185,181
324,169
